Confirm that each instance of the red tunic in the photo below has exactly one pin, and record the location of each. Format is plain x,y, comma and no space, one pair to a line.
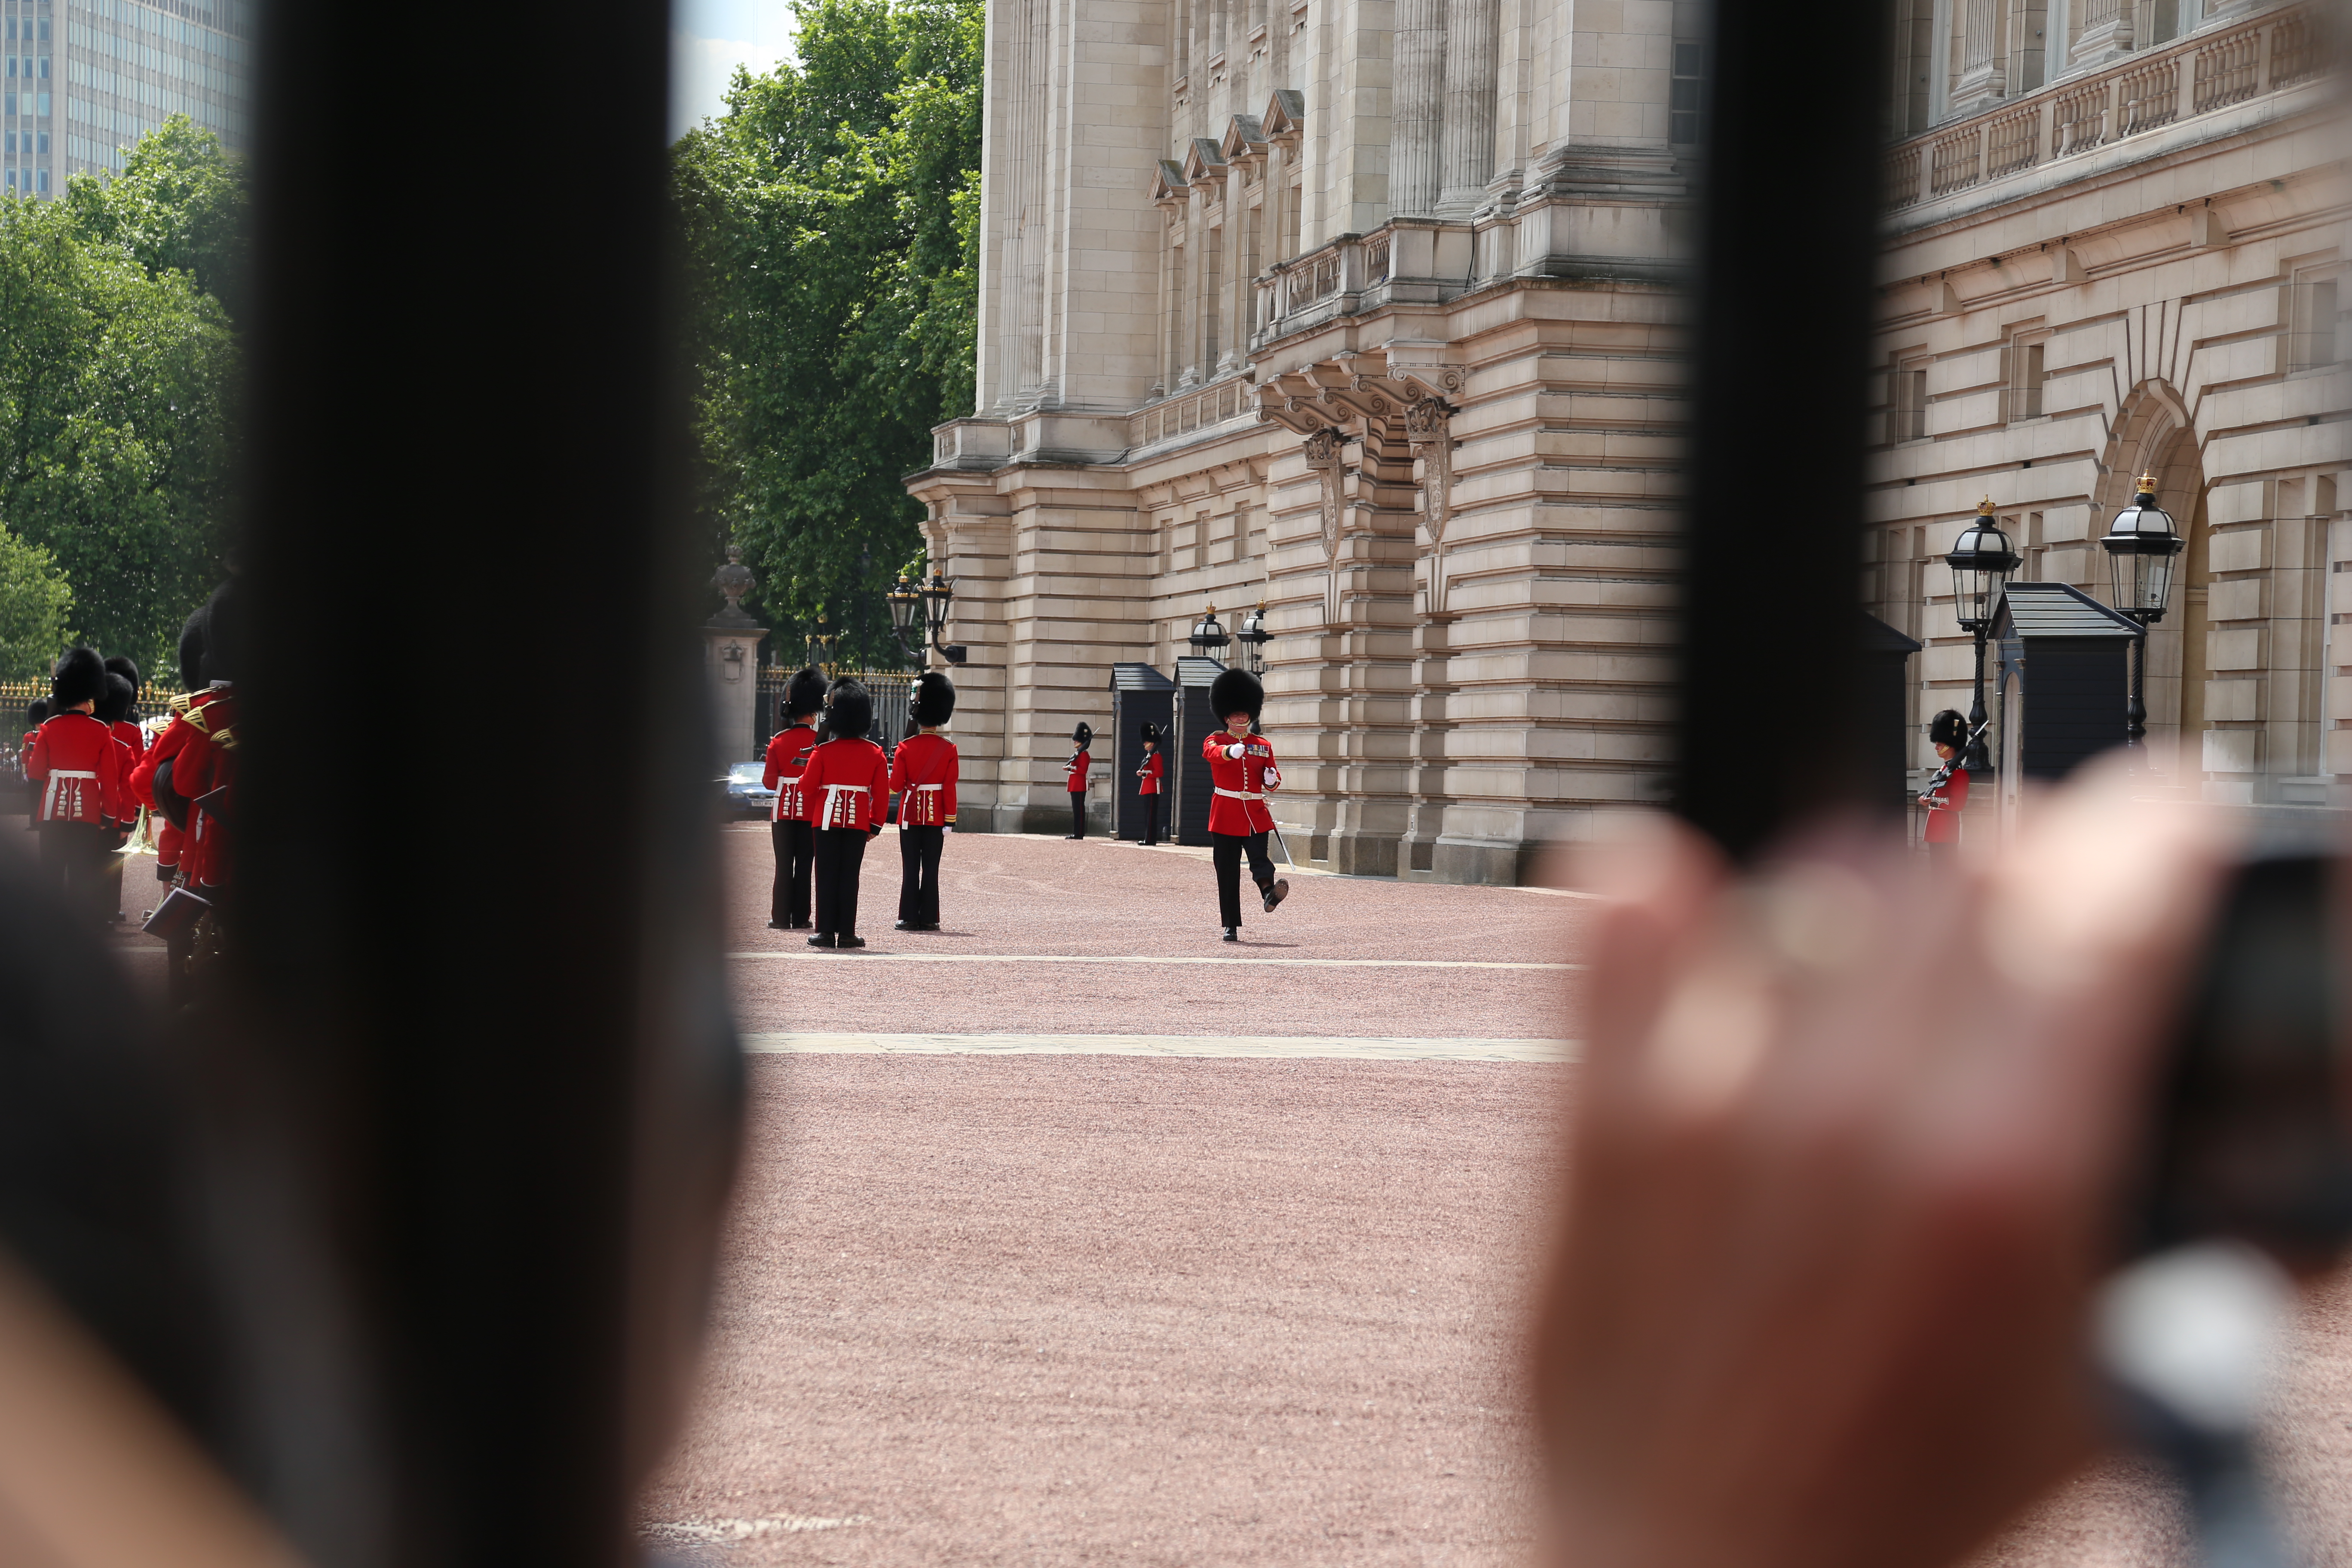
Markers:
207,764
1076,768
132,736
1237,804
1149,774
77,763
788,753
1944,821
923,773
847,782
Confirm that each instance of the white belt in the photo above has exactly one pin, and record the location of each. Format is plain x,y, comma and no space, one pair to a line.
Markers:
1237,795
49,796
922,788
832,790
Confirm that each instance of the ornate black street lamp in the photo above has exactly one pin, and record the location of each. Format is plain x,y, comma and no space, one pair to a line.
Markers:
1254,637
1208,638
2142,548
1982,563
921,607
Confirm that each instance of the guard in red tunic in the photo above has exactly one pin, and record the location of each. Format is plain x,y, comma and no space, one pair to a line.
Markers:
37,713
793,838
1240,770
113,711
126,729
923,773
1948,732
1074,771
1147,783
76,762
847,782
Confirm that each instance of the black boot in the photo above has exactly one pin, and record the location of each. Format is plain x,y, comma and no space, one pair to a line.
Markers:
850,941
821,939
1277,893
1232,933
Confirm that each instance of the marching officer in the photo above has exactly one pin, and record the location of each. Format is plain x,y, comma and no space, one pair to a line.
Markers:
847,782
76,762
793,838
126,729
1074,774
1240,770
1148,778
1948,732
923,773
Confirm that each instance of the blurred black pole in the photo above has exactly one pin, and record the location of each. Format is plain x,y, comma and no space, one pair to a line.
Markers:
1788,254
485,1091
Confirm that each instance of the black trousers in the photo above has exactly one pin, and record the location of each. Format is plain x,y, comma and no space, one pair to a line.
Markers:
74,857
918,873
1152,819
1227,850
840,852
795,842
1078,812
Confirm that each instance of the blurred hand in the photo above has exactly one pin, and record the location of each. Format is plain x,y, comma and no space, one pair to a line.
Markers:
1846,1154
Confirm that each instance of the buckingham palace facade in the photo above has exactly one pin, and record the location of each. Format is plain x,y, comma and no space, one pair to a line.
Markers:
1368,313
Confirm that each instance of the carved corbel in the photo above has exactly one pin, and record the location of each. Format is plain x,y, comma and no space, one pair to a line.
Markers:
1326,453
1429,429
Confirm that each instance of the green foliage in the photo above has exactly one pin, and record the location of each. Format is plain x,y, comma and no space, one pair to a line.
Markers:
831,225
117,369
35,602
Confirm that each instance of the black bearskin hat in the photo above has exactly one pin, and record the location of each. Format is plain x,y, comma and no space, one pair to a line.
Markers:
1083,736
804,694
207,638
848,711
1948,729
36,712
1235,691
932,701
123,665
80,678
1150,733
115,706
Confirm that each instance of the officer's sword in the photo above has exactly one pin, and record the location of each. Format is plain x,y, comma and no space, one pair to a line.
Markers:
1276,829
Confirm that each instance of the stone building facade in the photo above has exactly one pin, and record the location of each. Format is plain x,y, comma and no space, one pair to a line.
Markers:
2116,246
1367,311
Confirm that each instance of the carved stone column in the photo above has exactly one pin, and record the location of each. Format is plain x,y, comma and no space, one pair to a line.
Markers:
1416,129
1428,428
1470,81
1981,79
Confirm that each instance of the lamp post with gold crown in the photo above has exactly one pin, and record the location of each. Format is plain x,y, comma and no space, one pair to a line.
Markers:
1981,562
2142,548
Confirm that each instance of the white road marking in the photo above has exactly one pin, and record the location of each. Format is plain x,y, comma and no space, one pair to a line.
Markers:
1373,1048
818,955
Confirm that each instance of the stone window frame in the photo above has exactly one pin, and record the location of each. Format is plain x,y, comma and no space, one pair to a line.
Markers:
2025,375
2313,289
1907,423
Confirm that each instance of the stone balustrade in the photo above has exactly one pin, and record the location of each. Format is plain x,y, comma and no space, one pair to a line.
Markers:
2197,75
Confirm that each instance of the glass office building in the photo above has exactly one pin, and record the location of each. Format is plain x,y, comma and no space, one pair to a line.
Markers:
84,80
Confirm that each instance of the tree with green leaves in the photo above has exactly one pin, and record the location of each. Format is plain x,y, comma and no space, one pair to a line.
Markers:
35,603
831,216
118,368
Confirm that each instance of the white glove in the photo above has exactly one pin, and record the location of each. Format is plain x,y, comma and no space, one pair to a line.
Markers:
1233,753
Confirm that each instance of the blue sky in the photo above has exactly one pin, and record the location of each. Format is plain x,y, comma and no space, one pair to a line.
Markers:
709,39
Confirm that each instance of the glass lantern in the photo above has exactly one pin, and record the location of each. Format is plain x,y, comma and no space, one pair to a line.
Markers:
1982,563
2142,548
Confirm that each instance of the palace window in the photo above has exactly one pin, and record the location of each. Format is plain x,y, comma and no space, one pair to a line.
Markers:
2316,330
1907,401
2025,358
1688,103
1213,276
